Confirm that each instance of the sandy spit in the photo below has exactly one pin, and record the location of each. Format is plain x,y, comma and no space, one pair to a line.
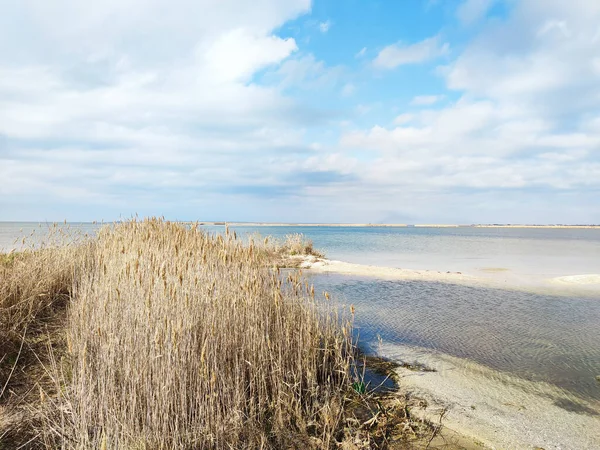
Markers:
341,267
585,285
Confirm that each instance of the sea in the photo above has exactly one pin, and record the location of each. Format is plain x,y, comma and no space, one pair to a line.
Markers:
540,337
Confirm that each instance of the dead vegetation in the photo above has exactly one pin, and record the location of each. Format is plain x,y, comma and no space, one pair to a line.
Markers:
158,335
290,252
298,244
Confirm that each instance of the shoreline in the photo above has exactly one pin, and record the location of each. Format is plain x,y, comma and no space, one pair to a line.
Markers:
481,405
577,285
494,409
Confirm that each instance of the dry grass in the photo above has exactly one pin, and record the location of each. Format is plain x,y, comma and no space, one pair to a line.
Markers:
298,244
155,335
34,284
35,288
178,339
289,252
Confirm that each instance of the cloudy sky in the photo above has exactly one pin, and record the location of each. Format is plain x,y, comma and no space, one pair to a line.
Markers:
290,110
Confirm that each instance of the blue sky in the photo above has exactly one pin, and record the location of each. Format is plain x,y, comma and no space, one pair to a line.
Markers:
469,111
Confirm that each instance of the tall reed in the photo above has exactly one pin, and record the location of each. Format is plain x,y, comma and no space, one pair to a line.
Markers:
180,339
35,283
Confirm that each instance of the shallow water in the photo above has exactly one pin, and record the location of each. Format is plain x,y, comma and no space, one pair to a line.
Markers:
536,337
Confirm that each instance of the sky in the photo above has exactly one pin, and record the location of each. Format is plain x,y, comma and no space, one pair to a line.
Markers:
354,111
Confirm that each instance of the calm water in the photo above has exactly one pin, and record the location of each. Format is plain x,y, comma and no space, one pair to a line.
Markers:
537,337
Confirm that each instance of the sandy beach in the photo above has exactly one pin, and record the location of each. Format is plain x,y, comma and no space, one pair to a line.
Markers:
495,409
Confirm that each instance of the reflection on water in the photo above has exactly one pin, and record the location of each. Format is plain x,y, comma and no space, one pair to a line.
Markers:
537,337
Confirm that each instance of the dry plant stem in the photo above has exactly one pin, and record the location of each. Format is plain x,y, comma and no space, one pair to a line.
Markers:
436,429
285,253
35,283
12,370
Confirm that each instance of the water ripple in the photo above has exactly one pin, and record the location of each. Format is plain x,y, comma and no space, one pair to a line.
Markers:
536,337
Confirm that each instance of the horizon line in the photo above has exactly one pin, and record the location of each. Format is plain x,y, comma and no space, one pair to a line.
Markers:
330,224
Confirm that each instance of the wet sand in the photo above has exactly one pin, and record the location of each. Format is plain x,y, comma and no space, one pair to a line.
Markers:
495,409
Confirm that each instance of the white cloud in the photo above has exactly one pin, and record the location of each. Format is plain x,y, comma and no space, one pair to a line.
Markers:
307,72
361,53
421,100
403,118
362,109
324,26
554,26
110,102
348,90
237,55
525,131
129,106
471,11
146,32
399,54
542,58
441,152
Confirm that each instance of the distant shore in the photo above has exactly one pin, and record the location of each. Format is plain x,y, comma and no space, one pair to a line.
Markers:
387,225
341,225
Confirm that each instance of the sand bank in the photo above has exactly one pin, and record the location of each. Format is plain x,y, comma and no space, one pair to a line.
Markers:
327,265
493,277
495,409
